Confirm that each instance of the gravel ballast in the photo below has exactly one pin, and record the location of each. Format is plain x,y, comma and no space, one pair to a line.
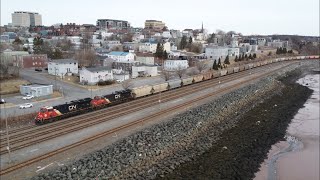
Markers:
168,149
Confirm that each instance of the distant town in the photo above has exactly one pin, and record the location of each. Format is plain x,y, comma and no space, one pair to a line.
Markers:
112,51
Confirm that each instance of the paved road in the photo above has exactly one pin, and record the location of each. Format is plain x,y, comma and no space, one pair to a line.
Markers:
70,92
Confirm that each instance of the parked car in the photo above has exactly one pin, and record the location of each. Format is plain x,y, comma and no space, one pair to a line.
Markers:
119,80
37,69
27,97
2,101
26,105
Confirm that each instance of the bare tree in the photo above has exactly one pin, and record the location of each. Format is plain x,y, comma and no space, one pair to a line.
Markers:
201,65
86,57
166,75
180,71
127,84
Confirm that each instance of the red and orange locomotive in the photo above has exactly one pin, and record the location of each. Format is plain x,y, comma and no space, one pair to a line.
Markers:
73,108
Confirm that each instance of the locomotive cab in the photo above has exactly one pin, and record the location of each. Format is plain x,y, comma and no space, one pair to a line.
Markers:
44,113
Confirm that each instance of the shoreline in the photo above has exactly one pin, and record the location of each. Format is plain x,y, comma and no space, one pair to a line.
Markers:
282,163
240,151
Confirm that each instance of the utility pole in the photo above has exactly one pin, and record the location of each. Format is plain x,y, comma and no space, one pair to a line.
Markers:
55,78
7,133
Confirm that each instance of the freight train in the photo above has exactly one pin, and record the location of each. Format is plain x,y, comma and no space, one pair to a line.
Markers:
73,108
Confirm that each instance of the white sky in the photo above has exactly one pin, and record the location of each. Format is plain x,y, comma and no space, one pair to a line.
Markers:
246,16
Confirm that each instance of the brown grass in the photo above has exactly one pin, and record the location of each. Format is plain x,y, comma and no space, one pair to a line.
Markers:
11,86
18,120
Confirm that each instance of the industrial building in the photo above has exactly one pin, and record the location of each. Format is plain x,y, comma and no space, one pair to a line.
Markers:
36,90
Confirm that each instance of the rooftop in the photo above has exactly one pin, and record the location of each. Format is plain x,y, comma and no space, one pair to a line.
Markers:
118,53
64,61
97,69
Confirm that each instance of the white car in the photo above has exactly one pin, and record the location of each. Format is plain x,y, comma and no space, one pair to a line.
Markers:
27,97
26,105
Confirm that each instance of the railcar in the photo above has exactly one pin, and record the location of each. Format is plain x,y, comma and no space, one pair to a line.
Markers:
141,91
236,69
197,78
175,83
223,72
159,88
230,70
207,75
187,81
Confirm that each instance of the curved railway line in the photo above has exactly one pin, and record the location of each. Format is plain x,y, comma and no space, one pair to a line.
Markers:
128,125
39,134
93,118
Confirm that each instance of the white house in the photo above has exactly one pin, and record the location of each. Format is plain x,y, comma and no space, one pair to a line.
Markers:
119,56
152,47
62,67
144,70
215,52
111,44
234,51
171,65
121,76
95,74
148,47
149,60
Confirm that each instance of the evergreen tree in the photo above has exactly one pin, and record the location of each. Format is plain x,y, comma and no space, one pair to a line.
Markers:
183,42
159,51
226,61
236,59
242,58
37,45
284,50
215,67
246,57
219,63
250,56
278,51
254,55
190,40
165,55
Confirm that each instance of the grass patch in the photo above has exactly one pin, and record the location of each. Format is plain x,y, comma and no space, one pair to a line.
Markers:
11,86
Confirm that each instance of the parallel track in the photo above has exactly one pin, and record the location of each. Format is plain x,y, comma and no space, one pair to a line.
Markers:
128,125
29,138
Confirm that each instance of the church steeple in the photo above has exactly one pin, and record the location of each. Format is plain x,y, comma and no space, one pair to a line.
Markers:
202,27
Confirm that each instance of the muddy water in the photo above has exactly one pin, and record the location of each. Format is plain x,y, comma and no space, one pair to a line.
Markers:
298,156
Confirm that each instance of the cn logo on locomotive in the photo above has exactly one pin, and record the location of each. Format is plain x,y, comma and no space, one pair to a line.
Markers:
117,96
72,107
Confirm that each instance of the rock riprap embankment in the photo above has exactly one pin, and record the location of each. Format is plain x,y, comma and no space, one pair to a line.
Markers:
160,149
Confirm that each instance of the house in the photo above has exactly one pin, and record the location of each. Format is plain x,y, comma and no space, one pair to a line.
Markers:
62,67
122,56
36,90
145,59
7,56
214,52
31,61
95,74
144,70
171,65
121,76
111,44
151,47
124,66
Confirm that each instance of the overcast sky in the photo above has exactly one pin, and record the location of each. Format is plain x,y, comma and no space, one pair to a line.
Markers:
246,16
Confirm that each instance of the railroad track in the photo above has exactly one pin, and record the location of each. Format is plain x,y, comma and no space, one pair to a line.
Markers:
123,127
26,139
